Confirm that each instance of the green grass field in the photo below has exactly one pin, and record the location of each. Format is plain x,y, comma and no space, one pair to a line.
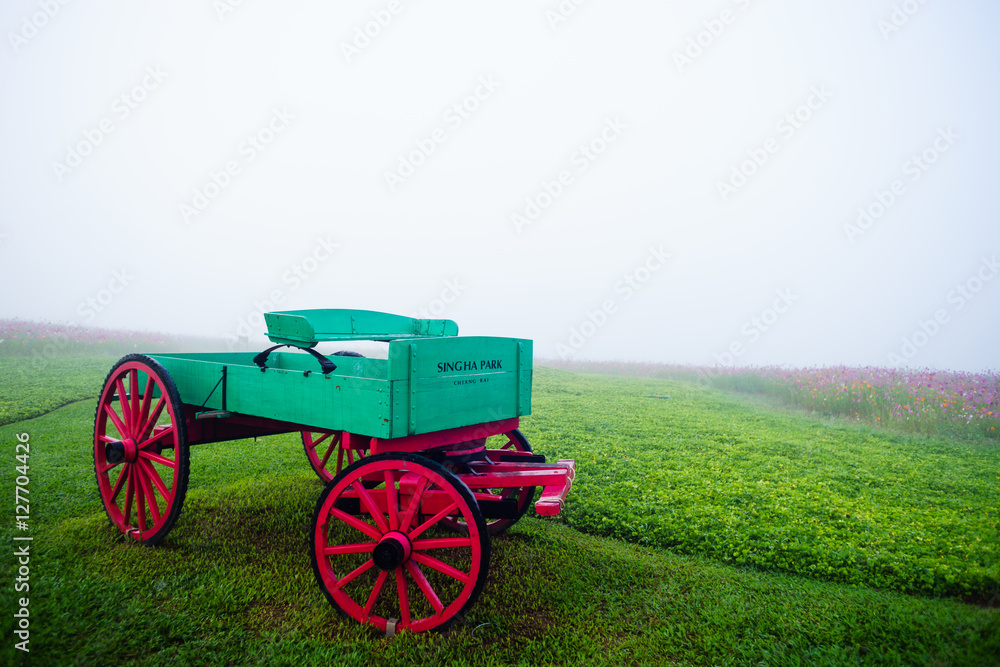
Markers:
32,386
701,529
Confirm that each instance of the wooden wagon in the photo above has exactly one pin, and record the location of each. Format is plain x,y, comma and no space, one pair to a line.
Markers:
420,451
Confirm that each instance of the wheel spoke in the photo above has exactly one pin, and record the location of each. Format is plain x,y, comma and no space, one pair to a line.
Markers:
341,549
150,475
140,502
343,581
443,543
133,388
150,422
147,492
129,491
156,458
411,511
110,412
433,520
329,450
107,466
440,566
156,438
122,476
424,586
356,523
404,601
126,409
315,443
375,591
390,500
366,499
147,401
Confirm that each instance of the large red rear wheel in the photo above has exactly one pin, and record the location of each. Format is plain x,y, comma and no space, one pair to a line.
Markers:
380,553
141,449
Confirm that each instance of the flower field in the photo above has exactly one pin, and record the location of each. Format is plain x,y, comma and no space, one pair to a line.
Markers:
914,401
27,338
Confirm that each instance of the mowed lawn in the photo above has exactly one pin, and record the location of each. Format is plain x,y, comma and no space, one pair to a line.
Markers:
700,530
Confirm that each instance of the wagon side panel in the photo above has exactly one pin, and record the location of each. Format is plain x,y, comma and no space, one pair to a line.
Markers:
441,383
359,405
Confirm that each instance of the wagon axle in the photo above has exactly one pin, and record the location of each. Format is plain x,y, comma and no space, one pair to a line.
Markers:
118,451
125,451
393,550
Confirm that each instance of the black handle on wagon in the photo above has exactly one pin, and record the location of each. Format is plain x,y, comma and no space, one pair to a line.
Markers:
327,365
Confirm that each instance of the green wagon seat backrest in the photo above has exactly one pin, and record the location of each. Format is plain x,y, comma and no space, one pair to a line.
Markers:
305,328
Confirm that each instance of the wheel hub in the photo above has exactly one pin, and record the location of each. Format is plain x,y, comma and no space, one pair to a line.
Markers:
121,450
392,550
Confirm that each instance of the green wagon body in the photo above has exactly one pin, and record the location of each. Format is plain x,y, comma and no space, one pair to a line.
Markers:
427,384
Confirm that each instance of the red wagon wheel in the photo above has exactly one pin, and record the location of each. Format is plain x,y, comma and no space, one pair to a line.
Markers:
327,454
511,441
380,554
140,449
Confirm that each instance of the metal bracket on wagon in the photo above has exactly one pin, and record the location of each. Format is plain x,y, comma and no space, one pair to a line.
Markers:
327,365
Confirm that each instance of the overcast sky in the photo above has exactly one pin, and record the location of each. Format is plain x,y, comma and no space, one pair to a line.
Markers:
737,181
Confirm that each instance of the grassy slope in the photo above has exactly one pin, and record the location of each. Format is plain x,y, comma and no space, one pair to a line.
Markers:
32,386
233,583
705,472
